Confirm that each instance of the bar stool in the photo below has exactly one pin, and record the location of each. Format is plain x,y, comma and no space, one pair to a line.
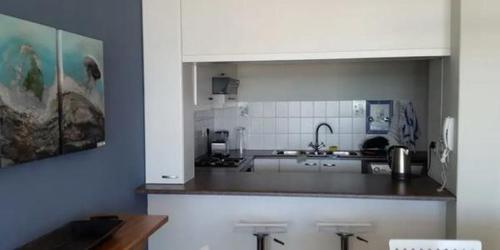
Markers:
345,231
262,230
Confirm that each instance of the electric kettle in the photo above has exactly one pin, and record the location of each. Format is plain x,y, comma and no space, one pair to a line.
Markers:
399,161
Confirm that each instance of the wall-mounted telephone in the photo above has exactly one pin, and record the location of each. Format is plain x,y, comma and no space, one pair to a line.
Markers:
447,138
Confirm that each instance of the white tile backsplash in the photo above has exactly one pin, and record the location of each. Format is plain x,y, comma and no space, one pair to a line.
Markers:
255,109
306,125
345,109
319,109
345,125
291,125
256,126
332,109
269,109
305,139
345,141
282,141
282,125
294,125
269,126
294,141
359,125
306,109
294,109
282,109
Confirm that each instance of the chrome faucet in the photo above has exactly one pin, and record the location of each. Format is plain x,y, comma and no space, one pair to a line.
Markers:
316,146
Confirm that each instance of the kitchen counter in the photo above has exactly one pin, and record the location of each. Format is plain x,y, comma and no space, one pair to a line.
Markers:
338,185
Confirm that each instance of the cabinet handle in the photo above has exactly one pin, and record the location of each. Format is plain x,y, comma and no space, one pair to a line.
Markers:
329,165
310,164
170,177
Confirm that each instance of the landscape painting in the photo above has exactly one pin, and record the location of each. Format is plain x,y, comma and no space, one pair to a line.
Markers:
51,92
29,115
81,92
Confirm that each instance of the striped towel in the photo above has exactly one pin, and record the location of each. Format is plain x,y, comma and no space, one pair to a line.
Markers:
408,124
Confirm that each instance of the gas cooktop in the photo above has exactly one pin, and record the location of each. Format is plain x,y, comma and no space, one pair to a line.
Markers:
219,162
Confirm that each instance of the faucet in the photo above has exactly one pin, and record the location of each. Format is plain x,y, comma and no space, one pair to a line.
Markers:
316,146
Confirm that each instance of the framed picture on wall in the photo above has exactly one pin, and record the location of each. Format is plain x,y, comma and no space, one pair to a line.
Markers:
379,116
51,92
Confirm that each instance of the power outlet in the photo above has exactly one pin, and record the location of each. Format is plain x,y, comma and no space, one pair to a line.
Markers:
358,108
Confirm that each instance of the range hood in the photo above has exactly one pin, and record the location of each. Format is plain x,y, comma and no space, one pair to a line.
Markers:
224,89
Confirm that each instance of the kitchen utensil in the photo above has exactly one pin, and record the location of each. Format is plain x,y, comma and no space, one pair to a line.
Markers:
399,161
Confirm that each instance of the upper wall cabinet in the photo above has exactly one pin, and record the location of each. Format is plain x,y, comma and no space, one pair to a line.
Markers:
261,30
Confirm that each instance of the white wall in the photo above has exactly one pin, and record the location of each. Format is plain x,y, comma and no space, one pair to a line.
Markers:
339,80
199,220
478,191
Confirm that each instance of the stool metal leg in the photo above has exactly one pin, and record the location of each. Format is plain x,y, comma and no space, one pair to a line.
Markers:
261,240
344,240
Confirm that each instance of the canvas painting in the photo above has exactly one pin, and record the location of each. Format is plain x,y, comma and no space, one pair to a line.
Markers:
81,91
51,92
29,116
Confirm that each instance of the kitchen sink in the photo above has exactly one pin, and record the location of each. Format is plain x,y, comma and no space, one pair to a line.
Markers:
312,154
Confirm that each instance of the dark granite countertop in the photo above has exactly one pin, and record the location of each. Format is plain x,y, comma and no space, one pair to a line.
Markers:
337,185
419,156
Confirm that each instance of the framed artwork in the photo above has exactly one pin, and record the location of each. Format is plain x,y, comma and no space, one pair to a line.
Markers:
81,92
51,92
378,117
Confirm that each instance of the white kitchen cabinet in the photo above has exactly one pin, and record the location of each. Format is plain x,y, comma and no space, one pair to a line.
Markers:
266,165
292,165
263,30
168,96
340,166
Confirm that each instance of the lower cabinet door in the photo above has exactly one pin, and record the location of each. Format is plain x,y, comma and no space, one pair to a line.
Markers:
292,165
341,166
266,165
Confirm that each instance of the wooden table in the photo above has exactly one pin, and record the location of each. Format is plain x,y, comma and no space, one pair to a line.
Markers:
133,235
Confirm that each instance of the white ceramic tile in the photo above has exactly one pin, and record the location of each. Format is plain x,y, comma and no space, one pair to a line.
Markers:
256,125
359,108
319,109
269,126
294,109
269,109
294,125
332,140
345,125
359,125
334,123
357,140
282,141
305,140
294,141
306,125
269,142
332,109
282,125
255,109
254,142
306,109
345,141
282,109
345,109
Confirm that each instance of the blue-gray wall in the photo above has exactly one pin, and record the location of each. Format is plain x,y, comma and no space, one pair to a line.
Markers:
40,196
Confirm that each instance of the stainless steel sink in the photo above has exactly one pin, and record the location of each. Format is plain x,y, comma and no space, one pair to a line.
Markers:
313,154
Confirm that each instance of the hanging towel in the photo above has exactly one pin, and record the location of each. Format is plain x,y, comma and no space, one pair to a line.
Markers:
409,128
